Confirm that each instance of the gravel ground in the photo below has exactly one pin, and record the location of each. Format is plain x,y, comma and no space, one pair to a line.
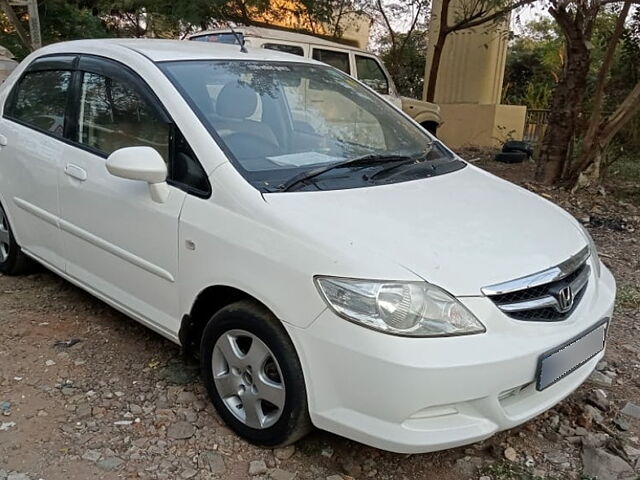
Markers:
87,393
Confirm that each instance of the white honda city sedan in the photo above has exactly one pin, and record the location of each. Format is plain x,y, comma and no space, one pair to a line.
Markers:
329,261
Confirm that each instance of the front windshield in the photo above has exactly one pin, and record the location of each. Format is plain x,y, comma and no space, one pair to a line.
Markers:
279,120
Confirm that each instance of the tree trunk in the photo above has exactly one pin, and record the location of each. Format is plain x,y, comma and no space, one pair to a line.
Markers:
591,136
565,109
591,175
443,31
567,100
435,66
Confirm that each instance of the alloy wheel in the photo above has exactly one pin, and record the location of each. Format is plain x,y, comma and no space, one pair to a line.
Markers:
5,238
248,379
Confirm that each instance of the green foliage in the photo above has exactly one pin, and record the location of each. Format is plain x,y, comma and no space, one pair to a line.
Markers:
406,64
533,65
538,95
629,296
625,175
62,20
71,19
59,20
9,39
535,60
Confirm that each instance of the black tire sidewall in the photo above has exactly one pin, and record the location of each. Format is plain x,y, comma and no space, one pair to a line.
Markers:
8,267
511,157
256,319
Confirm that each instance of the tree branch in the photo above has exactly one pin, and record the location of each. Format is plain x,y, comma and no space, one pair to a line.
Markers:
607,62
625,111
392,33
413,27
15,22
465,23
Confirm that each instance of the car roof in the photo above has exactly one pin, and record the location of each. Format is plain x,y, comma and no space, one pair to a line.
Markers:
167,50
284,35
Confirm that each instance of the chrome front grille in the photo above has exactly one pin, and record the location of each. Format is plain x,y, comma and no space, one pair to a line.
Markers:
547,296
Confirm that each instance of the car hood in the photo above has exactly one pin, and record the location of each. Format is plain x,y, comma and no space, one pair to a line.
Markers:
461,231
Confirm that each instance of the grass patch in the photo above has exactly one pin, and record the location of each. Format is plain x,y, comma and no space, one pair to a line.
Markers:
627,168
624,178
628,296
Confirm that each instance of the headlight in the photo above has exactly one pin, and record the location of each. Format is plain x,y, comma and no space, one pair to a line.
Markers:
595,260
415,309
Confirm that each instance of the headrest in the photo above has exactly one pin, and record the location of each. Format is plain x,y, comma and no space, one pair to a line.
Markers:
236,100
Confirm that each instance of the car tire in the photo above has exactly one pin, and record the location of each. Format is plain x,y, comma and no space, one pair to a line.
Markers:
511,157
12,260
253,375
517,146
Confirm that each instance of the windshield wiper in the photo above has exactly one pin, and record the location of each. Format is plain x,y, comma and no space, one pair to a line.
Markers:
414,159
365,160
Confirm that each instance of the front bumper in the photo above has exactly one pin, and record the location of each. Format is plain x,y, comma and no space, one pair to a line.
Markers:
412,395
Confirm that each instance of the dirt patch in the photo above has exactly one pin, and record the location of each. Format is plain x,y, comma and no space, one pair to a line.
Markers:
88,393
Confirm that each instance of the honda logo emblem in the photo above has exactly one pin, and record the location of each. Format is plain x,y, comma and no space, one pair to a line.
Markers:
565,300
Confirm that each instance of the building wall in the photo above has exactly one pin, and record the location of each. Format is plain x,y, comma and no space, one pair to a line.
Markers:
469,84
473,60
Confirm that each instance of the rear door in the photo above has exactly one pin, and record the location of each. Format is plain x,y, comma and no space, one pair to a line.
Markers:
33,132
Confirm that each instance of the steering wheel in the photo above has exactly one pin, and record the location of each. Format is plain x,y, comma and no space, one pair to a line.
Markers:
250,145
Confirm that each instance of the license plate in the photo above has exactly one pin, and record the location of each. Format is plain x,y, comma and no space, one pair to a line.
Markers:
561,361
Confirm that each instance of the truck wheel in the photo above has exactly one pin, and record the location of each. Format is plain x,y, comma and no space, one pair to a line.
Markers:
430,127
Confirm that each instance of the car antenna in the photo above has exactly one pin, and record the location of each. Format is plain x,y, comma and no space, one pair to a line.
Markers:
239,39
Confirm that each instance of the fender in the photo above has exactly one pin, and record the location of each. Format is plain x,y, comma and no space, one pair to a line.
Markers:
421,111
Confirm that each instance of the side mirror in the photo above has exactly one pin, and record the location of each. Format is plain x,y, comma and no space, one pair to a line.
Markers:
143,164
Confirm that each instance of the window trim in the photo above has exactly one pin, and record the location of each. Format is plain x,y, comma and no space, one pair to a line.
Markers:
72,109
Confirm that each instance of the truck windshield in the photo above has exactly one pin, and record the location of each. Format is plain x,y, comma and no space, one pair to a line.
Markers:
278,120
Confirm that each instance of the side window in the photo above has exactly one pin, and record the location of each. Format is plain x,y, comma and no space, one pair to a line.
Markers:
40,99
371,74
280,47
340,60
114,115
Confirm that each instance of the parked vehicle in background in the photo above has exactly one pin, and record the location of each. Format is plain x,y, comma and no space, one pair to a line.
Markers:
356,62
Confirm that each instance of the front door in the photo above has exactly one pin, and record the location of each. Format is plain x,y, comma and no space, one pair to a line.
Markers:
118,242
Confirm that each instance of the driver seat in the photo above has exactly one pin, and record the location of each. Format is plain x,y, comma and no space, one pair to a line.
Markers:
236,102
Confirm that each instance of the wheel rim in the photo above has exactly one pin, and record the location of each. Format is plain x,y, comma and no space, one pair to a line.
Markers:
248,379
4,237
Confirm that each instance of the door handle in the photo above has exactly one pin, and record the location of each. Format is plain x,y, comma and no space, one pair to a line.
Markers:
76,172
3,141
